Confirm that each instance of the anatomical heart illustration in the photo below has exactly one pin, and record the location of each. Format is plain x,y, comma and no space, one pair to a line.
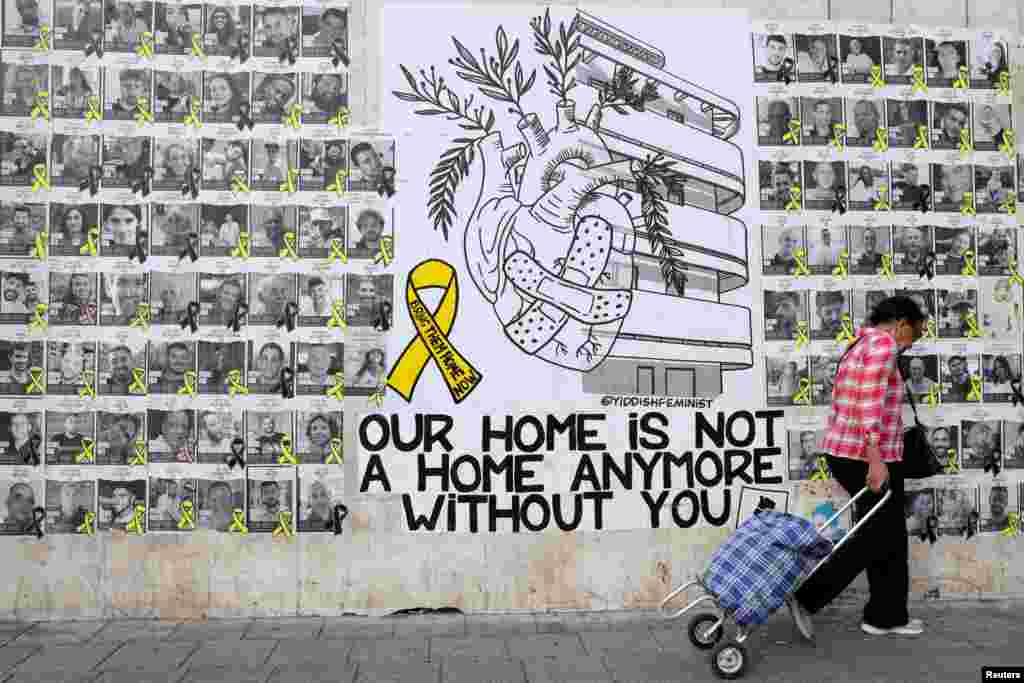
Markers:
603,237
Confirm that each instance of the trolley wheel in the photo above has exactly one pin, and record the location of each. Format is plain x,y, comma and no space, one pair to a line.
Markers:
729,660
699,630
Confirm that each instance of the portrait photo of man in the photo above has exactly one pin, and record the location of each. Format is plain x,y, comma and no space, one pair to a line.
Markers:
770,52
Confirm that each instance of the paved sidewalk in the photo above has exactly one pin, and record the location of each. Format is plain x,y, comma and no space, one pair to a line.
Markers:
620,647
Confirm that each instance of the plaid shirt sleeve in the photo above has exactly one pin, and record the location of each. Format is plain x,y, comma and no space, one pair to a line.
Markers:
868,382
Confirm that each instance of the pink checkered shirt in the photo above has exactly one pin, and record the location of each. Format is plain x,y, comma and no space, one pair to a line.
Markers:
866,399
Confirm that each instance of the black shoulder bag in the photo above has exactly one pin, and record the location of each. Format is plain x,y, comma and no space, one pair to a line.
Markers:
919,458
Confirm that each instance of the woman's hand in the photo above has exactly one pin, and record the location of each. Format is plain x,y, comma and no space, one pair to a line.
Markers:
878,474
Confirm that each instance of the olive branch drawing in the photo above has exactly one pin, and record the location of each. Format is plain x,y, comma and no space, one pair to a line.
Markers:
564,53
649,175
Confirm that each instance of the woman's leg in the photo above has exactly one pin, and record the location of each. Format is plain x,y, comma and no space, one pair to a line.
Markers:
889,571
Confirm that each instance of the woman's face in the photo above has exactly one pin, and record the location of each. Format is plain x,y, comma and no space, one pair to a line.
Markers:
73,220
218,91
177,160
319,431
175,429
268,425
219,20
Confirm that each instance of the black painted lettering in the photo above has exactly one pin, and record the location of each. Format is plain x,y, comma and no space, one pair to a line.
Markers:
438,428
749,431
577,514
538,501
474,501
769,417
538,436
415,522
694,511
497,513
584,442
371,443
715,433
684,461
734,470
762,465
646,467
375,472
492,467
396,434
466,475
723,516
624,473
585,471
716,463
524,472
424,471
631,431
654,505
599,497
647,427
487,434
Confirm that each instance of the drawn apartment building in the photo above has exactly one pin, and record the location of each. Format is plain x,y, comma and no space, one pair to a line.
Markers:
673,344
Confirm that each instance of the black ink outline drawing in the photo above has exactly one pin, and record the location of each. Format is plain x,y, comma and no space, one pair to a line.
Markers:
564,229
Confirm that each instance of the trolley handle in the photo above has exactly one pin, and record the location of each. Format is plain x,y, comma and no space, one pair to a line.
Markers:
851,532
853,500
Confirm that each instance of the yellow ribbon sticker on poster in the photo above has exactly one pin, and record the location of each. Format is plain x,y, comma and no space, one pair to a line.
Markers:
432,330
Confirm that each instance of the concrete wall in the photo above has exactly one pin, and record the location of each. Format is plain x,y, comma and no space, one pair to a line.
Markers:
209,574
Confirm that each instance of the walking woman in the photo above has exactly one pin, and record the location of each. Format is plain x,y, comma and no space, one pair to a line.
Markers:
864,446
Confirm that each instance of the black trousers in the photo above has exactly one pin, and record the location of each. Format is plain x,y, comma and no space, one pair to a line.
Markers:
880,547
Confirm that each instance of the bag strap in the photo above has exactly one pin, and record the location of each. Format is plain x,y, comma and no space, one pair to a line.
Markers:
909,394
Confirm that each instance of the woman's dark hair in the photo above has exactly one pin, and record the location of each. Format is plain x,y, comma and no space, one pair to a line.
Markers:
896,308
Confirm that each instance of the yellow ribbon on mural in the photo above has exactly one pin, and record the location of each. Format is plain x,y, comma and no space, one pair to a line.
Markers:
88,389
235,385
961,80
801,269
238,521
39,248
969,270
338,186
967,205
917,77
289,185
337,390
432,330
881,143
820,469
882,203
876,77
93,112
41,108
802,337
340,119
1003,84
1012,525
197,47
284,524
138,523
377,397
922,138
43,44
794,198
239,186
287,456
88,526
335,455
36,381
91,245
142,316
39,317
846,332
966,146
932,399
145,49
187,520
337,315
1010,205
337,253
386,254
1009,145
242,249
143,114
974,395
288,250
189,386
194,109
951,466
138,385
887,271
841,269
294,118
1015,277
803,395
141,456
930,330
42,178
838,136
88,452
793,135
972,326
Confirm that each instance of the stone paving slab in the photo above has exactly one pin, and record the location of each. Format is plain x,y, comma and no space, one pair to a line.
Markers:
579,669
12,655
244,654
431,627
501,625
634,640
357,628
150,656
281,629
140,676
416,649
390,671
482,670
53,677
134,629
226,675
468,647
546,645
60,633
308,674
204,631
310,653
68,658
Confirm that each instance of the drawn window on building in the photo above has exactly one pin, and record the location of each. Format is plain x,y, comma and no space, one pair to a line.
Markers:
680,382
700,284
645,380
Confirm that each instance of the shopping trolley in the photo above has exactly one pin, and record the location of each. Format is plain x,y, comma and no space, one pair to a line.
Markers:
778,575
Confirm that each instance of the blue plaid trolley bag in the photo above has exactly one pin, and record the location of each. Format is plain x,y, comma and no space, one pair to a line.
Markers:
751,575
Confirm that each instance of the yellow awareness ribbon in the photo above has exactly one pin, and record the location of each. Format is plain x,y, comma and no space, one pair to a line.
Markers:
194,110
287,456
972,326
968,269
886,270
386,252
294,118
337,315
41,178
932,399
138,523
197,47
794,199
1015,277
88,527
337,252
930,331
336,455
1012,525
432,330
138,385
951,466
143,115
1010,205
377,397
974,395
91,245
793,135
141,457
41,108
145,50
239,185
189,386
288,250
238,521
1003,84
187,520
802,338
337,390
36,381
820,469
39,318
289,184
882,203
846,332
242,250
235,385
284,524
881,143
142,316
876,77
922,138
88,452
340,119
838,136
803,395
338,186
961,80
800,256
966,145
93,112
1009,145
39,248
967,205
917,77
88,389
841,269
43,44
